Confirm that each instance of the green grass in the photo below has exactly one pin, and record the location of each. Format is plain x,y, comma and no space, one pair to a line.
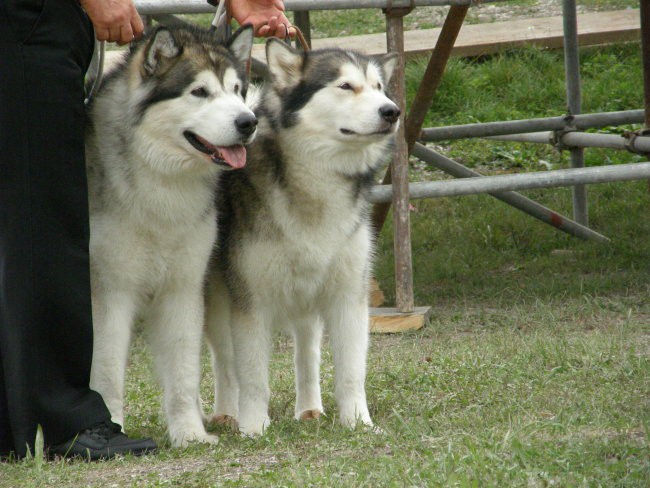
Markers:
534,369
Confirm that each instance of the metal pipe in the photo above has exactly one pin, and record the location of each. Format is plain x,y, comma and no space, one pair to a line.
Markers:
400,171
151,7
529,137
580,122
520,181
512,198
572,73
637,144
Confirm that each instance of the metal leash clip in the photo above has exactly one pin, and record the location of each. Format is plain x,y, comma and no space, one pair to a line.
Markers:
221,21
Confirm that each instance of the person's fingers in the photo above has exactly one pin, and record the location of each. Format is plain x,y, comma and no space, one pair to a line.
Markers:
102,33
281,31
113,33
292,31
263,31
273,25
126,34
136,23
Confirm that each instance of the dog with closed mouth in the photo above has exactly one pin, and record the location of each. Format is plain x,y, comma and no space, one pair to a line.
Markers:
295,244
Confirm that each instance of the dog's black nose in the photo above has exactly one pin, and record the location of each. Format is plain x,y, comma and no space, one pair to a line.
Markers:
246,124
389,112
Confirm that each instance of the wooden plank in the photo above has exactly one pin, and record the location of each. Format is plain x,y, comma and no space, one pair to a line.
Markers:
478,39
390,320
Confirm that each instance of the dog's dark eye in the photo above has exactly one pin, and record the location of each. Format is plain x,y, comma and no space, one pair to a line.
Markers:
236,89
200,92
379,86
345,86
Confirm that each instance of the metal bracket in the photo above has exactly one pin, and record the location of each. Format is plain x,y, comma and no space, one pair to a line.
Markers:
630,139
391,11
555,137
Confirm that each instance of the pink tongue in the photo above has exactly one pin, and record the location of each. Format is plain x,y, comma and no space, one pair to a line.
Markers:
235,156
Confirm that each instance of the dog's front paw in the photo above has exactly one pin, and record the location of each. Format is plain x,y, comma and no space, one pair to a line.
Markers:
357,419
185,438
254,427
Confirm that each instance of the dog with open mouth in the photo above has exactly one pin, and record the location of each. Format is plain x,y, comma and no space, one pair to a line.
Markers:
162,127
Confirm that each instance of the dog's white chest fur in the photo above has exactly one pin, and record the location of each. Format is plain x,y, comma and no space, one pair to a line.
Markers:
319,230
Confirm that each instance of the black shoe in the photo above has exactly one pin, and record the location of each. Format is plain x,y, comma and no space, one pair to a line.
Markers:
103,441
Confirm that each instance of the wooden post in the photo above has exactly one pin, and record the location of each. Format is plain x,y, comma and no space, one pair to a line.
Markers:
399,170
424,96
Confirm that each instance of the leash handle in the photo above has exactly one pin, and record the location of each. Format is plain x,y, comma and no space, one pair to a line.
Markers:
300,37
222,18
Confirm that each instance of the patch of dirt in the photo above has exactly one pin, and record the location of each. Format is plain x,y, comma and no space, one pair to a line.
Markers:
493,12
111,476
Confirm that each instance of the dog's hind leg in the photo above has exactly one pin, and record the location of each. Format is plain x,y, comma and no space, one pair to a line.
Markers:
175,335
113,316
252,347
307,343
219,338
347,322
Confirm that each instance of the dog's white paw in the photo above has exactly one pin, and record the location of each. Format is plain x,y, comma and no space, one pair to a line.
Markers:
184,439
352,422
254,427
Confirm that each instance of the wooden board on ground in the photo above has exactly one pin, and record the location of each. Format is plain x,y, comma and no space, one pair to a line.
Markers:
388,320
479,39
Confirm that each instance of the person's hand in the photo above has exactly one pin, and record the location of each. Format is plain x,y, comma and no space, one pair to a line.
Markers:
267,17
114,20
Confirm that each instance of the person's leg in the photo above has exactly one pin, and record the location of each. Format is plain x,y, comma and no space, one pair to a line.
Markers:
6,439
45,309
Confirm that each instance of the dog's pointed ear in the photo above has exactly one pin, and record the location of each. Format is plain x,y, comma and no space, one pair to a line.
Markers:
241,44
285,63
388,62
161,48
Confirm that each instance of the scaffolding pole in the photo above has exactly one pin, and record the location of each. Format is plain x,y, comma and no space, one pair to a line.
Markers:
574,105
486,129
154,7
519,181
633,143
512,198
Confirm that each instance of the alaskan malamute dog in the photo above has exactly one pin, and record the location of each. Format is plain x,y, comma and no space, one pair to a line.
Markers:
162,127
294,236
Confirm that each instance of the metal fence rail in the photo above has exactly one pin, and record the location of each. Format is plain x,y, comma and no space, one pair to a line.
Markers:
154,7
632,143
521,181
486,129
499,187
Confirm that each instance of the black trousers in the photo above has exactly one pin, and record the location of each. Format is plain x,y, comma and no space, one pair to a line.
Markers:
45,309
